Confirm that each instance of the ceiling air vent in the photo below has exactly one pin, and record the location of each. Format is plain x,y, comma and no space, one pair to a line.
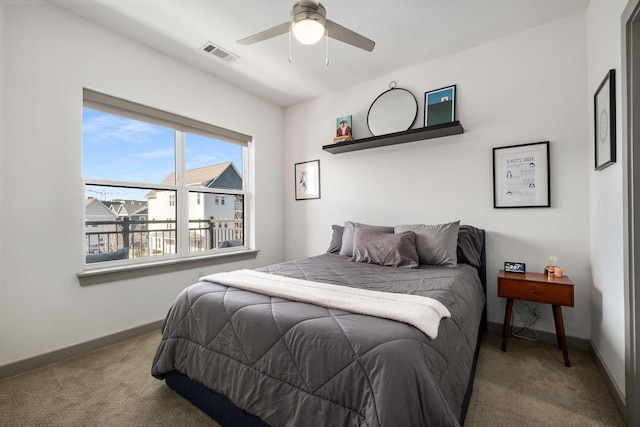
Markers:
219,52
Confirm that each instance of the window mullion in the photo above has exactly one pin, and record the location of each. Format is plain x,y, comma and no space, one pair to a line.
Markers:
182,205
248,197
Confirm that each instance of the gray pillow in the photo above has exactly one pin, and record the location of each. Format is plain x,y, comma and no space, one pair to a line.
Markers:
230,243
469,245
393,250
108,256
349,230
336,239
436,244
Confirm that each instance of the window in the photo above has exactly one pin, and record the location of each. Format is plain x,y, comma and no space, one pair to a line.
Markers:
145,164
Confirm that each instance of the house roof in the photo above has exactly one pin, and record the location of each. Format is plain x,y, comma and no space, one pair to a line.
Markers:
120,207
92,204
201,177
113,206
131,207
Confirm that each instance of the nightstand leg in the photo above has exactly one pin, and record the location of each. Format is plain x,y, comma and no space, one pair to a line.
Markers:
507,324
562,339
555,322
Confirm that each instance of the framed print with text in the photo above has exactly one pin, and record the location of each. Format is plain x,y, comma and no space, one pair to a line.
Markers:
605,121
307,184
521,176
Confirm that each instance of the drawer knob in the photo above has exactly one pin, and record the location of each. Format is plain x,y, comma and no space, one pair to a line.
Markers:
534,291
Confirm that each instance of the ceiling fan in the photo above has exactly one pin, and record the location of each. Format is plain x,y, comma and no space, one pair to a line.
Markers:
309,23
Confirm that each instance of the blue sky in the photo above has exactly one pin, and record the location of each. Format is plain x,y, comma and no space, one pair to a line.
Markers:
122,149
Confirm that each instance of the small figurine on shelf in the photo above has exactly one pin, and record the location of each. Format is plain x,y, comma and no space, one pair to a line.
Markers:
342,138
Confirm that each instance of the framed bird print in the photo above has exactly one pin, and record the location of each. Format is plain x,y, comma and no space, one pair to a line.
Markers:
307,182
605,121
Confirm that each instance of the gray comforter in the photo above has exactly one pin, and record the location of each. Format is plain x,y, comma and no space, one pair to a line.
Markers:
297,364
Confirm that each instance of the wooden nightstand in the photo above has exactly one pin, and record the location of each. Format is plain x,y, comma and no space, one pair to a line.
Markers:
536,287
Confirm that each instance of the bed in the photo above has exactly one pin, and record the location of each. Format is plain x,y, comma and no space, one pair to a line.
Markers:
251,359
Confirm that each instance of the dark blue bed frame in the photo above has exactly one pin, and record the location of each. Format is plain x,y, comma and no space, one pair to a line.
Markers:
220,408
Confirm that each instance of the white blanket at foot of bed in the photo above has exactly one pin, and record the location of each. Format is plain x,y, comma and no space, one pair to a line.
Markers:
422,312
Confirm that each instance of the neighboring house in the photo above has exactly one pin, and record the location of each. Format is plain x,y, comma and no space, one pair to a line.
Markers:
213,217
112,205
97,232
136,212
131,209
105,237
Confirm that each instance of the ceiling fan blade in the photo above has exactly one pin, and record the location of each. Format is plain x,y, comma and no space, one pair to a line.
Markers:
338,32
266,34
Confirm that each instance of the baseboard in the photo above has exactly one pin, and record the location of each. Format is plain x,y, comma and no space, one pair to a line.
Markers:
25,365
614,391
546,337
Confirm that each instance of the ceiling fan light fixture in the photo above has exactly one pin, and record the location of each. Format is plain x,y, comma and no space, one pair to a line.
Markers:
308,21
308,31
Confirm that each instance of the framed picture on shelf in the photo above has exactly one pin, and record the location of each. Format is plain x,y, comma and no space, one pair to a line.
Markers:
440,106
604,102
343,126
521,176
307,180
343,129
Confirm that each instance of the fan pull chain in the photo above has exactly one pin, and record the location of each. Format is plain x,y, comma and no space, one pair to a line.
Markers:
326,38
290,57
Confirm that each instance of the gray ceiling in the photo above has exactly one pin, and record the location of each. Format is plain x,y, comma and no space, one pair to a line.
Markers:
406,32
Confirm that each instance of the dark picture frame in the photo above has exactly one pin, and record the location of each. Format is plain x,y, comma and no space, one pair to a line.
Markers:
440,106
604,107
307,180
521,176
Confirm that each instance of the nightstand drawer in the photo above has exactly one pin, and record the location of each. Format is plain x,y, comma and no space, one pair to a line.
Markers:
549,293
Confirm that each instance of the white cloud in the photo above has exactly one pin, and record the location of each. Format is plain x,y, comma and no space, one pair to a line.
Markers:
105,127
165,152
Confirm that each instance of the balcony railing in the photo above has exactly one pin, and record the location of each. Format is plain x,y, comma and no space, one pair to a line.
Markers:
158,237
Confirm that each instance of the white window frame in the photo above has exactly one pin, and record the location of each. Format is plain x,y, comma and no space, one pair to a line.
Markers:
182,126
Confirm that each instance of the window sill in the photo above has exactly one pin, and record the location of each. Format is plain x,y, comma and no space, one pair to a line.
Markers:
128,271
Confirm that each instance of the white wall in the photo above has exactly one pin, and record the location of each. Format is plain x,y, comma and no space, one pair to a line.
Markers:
606,201
528,87
49,55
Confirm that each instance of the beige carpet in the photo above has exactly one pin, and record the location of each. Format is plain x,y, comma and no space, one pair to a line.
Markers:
530,386
527,386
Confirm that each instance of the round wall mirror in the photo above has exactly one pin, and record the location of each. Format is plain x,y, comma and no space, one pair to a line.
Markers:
394,110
